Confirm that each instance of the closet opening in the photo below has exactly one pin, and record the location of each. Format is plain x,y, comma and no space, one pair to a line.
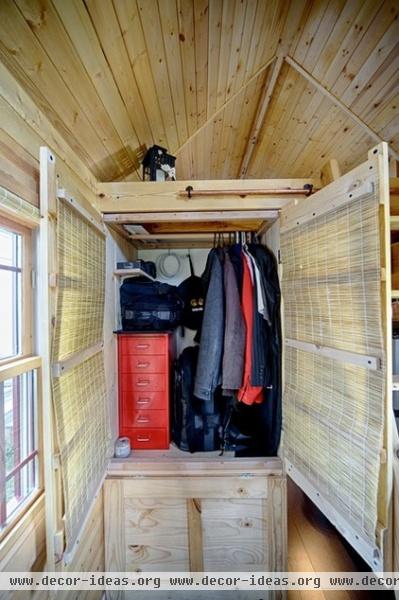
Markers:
224,389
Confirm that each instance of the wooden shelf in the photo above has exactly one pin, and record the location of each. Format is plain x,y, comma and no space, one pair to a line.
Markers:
122,273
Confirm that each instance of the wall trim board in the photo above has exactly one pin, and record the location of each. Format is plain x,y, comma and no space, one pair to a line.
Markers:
26,541
14,206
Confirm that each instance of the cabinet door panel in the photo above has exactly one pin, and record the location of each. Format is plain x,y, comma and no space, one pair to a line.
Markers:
337,352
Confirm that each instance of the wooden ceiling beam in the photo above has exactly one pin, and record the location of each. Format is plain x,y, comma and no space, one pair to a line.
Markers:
338,103
264,101
167,217
150,237
203,226
175,245
225,104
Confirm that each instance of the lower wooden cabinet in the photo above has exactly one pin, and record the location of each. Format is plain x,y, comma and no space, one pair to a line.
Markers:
195,514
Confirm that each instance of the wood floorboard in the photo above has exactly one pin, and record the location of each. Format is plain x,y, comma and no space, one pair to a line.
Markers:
314,545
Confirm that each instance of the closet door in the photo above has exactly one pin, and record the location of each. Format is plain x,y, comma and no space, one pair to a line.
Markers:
337,403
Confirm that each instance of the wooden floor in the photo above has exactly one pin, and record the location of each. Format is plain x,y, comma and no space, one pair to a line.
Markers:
314,545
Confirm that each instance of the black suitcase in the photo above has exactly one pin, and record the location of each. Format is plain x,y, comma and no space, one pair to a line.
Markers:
149,306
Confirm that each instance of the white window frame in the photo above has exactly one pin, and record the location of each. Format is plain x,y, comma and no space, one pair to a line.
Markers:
12,367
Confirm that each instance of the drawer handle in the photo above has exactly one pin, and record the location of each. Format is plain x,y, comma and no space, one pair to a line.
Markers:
141,438
143,365
143,382
142,346
143,420
143,401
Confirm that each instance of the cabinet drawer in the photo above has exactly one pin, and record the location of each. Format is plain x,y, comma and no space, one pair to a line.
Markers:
145,419
150,439
144,400
136,382
134,363
143,345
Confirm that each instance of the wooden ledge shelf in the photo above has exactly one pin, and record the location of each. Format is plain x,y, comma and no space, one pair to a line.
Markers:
123,273
175,462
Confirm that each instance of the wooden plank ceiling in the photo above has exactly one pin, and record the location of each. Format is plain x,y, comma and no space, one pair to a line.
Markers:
198,77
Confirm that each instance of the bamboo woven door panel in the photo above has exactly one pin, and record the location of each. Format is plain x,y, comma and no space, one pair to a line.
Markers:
78,383
336,368
81,284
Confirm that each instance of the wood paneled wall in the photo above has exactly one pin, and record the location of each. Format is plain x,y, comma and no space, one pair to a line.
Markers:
114,77
24,127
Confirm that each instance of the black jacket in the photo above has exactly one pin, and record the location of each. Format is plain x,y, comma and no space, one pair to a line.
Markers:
266,356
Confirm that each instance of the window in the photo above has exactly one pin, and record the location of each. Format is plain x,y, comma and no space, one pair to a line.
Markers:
10,285
19,438
20,476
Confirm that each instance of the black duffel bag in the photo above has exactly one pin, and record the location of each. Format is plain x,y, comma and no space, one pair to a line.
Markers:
149,306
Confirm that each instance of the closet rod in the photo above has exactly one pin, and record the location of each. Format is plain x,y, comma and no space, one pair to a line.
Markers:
306,190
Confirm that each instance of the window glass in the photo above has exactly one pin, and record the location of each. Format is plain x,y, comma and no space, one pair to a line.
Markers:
19,437
11,293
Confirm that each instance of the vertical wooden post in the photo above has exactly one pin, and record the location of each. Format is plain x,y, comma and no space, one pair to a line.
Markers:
275,511
114,531
330,172
195,545
48,209
379,156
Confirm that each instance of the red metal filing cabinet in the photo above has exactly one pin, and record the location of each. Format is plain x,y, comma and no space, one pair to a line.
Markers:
144,374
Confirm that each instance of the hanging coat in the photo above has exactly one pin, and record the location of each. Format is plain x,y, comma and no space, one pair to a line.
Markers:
248,393
234,333
209,367
267,348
